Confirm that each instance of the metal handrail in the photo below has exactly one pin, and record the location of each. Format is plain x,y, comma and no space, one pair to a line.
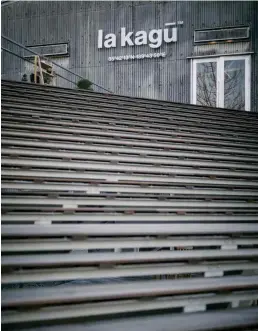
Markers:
56,64
26,60
8,3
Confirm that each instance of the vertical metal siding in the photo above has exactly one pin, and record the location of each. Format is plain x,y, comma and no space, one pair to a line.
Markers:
254,62
78,22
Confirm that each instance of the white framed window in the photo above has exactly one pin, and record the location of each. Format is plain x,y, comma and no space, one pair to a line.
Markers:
222,82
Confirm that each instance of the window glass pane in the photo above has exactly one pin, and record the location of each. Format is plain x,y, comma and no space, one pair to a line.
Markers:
234,84
206,84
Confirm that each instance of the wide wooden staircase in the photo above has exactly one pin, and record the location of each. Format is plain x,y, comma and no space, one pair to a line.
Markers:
122,213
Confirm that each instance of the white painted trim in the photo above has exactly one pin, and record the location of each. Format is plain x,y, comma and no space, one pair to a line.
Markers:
194,83
191,83
220,89
220,60
194,77
247,77
248,83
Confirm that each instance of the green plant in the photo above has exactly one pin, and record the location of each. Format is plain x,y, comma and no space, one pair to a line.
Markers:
84,84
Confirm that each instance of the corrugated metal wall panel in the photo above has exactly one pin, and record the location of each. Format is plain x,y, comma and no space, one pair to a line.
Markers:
254,64
78,22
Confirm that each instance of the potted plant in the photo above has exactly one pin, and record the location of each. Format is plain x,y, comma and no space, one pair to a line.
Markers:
84,84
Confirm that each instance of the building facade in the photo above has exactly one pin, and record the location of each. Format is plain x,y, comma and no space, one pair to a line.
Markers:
191,52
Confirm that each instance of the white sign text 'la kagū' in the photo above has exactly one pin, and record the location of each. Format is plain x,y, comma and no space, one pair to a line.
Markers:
154,38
